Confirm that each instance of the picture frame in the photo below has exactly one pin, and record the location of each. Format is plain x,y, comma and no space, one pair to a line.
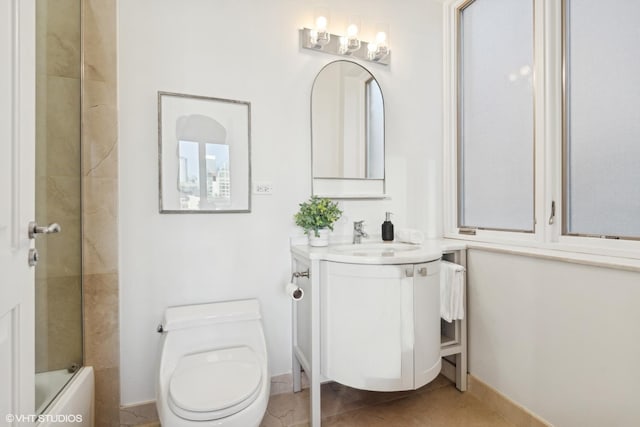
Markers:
204,154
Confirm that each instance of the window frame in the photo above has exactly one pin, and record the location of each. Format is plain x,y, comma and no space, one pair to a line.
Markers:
549,80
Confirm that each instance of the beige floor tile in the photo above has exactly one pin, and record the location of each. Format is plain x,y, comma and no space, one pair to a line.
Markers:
438,404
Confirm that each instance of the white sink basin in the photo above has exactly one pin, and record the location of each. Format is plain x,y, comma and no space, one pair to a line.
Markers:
374,249
373,252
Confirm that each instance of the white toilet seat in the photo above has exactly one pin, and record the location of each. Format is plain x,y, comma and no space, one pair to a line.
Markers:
215,384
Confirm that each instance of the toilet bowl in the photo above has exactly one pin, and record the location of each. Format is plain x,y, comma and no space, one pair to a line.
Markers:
213,367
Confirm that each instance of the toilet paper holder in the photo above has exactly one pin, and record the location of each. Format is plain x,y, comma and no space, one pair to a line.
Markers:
297,274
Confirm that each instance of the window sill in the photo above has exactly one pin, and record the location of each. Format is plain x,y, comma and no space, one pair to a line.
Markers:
592,256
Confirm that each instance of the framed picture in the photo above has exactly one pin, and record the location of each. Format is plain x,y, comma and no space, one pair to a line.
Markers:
204,147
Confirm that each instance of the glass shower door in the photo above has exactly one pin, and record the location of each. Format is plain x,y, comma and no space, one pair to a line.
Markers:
58,197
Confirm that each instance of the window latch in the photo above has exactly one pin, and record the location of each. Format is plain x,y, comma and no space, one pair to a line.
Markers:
467,230
552,218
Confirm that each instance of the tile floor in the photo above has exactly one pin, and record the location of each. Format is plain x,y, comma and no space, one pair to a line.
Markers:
438,404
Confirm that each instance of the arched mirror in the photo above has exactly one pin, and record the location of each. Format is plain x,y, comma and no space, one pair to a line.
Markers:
347,132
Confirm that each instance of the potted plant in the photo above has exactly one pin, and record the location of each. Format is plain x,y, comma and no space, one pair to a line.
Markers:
316,217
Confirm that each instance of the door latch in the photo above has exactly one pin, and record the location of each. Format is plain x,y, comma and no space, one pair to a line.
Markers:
33,257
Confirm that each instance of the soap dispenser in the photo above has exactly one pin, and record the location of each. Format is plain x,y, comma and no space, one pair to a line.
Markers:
387,228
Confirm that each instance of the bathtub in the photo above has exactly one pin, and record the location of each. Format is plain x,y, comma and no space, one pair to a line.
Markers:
73,407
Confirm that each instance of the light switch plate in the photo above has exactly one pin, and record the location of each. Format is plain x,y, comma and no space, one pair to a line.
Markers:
262,187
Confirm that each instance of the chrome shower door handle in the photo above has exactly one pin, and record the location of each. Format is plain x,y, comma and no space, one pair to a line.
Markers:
34,229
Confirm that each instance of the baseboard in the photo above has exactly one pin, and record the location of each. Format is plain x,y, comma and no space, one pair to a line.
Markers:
137,415
510,410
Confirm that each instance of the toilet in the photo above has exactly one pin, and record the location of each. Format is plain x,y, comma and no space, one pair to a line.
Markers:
213,367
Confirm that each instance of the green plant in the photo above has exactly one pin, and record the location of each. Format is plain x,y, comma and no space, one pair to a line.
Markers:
317,213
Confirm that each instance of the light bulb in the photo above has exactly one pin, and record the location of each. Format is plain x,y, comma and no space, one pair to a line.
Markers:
322,36
381,37
353,43
321,23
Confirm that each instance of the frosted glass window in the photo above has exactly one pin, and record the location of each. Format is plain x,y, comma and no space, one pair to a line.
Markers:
602,145
496,164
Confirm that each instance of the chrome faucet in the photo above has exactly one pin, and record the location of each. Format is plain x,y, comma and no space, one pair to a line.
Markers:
358,232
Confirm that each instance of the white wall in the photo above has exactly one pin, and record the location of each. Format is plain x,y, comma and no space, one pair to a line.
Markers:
248,50
560,339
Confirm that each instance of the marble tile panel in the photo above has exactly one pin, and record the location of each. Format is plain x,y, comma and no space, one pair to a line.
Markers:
100,40
100,194
58,199
60,253
100,171
100,238
64,306
62,128
107,400
63,38
101,329
100,130
41,39
41,126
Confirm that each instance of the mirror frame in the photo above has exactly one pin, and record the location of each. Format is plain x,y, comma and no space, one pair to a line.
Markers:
349,188
168,172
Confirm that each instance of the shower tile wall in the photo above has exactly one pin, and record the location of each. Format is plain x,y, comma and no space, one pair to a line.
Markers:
58,275
99,192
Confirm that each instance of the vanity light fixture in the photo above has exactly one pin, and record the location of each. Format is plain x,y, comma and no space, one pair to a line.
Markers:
319,39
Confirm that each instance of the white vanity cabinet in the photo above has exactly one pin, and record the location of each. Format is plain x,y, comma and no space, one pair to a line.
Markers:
369,318
380,324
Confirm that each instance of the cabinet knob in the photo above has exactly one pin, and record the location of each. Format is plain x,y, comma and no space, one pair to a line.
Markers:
408,271
422,271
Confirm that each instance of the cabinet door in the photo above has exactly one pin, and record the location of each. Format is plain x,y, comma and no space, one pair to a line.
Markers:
426,307
367,325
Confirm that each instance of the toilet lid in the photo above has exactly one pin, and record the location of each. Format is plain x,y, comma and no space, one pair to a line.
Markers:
215,380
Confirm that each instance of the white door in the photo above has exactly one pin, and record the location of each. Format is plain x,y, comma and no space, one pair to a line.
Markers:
17,194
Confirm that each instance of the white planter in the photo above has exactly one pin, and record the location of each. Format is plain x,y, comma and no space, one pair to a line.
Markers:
323,240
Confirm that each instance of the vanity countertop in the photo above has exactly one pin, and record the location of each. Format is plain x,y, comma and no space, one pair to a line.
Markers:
379,252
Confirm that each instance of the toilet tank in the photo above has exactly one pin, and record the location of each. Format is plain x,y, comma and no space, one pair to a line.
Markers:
196,315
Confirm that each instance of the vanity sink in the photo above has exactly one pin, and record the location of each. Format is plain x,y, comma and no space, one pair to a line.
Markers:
372,252
374,249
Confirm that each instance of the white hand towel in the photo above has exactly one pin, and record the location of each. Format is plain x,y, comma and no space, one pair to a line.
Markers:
451,291
408,235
